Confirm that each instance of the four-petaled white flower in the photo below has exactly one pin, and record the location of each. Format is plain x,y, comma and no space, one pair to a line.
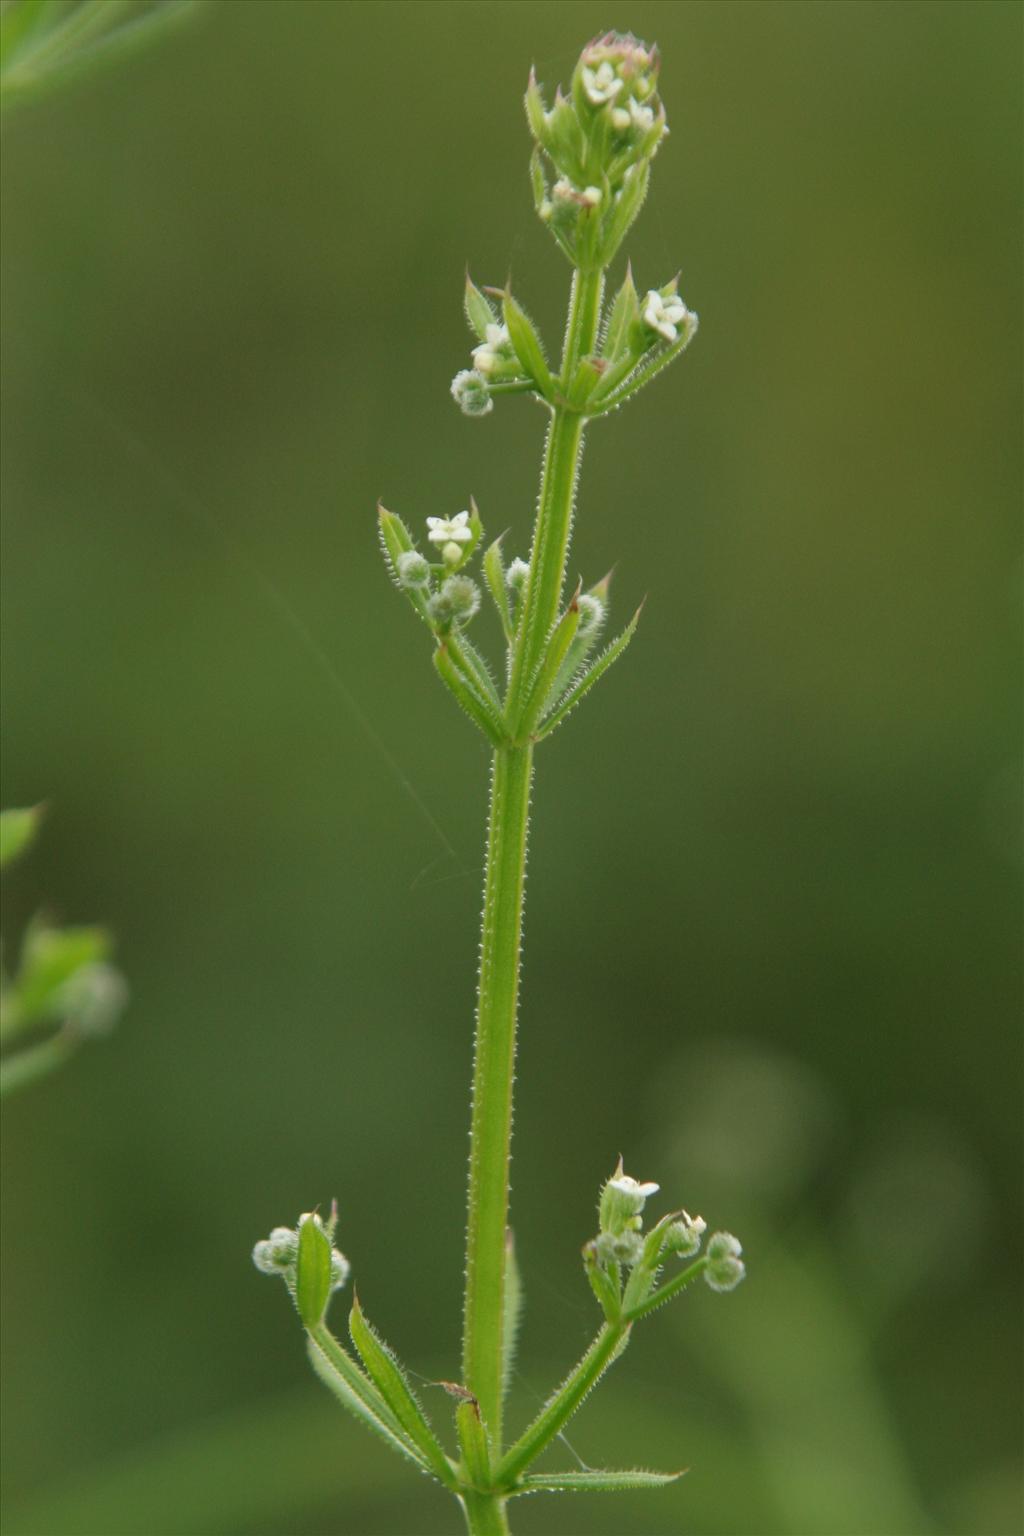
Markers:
629,1186
450,533
493,350
450,530
665,315
601,84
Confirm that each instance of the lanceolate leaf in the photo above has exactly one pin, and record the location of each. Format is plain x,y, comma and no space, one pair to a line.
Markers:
594,1482
557,649
625,312
647,369
339,1372
583,686
494,575
313,1273
477,708
526,343
473,1440
396,540
391,1382
475,669
479,311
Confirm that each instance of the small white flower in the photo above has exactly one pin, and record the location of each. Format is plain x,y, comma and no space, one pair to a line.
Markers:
601,84
564,190
450,530
621,119
591,195
640,116
629,1186
495,349
665,315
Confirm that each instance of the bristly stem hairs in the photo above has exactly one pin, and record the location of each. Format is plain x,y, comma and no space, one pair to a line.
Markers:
590,169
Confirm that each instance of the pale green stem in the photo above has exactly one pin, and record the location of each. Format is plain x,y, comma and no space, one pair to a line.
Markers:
483,1325
490,1137
485,1513
564,1403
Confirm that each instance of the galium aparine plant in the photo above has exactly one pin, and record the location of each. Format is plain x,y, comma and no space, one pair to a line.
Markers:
590,169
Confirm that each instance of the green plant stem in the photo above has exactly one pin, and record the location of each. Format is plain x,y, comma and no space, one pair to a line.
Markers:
491,1131
557,491
485,1513
490,1136
564,1403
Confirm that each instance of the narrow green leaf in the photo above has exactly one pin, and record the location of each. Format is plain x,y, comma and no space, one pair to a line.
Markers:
568,703
473,1439
17,832
603,1286
390,1380
622,316
494,575
558,645
625,209
396,540
480,312
313,1271
513,1313
594,1482
475,707
526,344
475,669
339,1372
650,365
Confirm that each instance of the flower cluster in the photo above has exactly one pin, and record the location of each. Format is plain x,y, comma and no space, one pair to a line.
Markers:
306,1260
598,143
622,1245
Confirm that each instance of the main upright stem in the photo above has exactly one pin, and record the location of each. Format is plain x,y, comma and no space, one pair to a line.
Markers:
494,1064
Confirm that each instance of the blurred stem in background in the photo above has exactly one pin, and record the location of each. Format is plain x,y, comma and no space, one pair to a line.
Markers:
45,43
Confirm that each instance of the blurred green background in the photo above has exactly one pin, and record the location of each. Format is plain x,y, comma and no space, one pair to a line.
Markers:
772,931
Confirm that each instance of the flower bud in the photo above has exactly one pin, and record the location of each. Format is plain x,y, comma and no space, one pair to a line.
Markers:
470,393
592,613
463,595
725,1269
306,1261
683,1237
413,569
276,1254
624,1248
515,577
622,1201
